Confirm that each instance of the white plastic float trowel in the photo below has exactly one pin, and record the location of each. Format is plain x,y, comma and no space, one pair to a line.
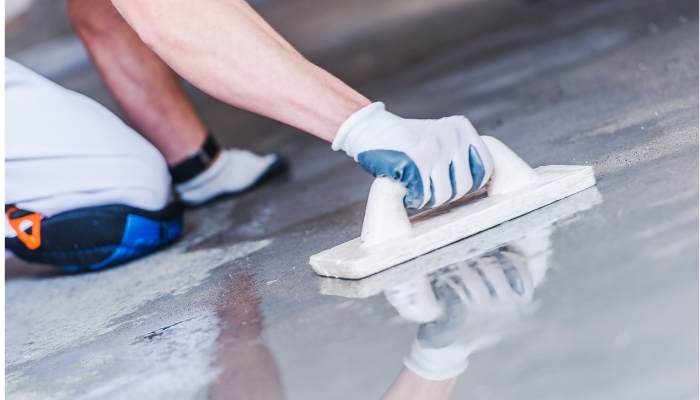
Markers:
389,237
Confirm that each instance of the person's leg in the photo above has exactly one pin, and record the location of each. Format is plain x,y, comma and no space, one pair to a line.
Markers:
147,90
154,102
83,190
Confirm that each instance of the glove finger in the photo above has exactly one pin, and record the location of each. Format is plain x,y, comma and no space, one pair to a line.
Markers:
440,185
480,162
517,271
504,291
479,158
460,175
477,290
477,169
428,189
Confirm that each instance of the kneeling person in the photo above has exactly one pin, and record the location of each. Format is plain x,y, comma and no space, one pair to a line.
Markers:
83,190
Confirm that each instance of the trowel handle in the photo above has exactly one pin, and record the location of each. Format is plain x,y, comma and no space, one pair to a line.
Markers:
385,215
510,172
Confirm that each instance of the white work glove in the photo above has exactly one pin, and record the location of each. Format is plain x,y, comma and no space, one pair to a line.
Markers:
233,171
437,160
415,300
482,299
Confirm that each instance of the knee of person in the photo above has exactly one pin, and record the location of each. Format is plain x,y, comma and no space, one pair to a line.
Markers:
152,186
95,238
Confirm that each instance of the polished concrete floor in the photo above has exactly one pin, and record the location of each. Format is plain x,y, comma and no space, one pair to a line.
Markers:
608,307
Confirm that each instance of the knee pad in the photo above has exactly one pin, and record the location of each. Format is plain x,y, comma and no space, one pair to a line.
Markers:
92,238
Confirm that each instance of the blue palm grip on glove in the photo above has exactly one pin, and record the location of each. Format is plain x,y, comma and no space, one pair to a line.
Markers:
399,166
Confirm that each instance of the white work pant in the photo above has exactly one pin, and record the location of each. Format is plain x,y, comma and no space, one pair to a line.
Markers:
65,151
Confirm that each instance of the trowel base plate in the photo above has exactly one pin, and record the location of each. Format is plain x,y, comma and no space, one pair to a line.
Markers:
435,229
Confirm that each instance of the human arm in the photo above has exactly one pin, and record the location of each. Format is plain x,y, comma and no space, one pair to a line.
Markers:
230,52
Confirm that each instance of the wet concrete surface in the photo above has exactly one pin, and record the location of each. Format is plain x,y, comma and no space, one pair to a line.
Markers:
610,275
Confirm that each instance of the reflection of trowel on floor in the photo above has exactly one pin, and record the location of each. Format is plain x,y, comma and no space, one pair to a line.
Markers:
390,238
525,229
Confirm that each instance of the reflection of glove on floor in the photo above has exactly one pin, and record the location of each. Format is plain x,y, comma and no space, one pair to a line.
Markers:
234,171
441,363
480,298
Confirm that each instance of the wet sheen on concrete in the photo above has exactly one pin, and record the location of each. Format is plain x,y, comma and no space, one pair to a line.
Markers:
234,311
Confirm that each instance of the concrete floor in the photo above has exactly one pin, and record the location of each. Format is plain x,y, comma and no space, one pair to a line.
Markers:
234,311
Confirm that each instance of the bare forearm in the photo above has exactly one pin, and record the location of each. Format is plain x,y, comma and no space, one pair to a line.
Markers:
227,50
408,385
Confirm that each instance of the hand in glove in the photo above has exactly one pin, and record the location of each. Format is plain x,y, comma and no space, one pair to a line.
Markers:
437,160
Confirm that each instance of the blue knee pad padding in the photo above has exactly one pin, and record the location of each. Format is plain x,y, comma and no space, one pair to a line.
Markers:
141,237
94,238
